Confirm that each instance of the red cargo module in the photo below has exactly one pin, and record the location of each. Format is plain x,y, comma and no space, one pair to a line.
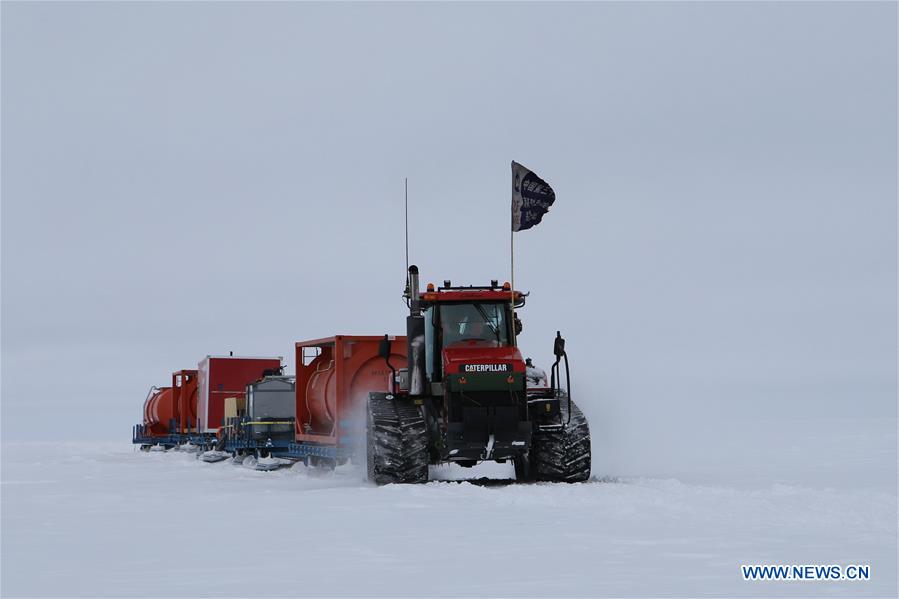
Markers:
226,376
334,377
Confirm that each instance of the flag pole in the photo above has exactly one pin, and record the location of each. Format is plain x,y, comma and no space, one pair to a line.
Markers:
512,281
531,199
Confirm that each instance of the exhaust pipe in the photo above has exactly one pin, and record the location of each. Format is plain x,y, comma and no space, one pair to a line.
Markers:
412,290
415,335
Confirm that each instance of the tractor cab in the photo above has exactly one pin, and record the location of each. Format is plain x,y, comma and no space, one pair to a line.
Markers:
465,326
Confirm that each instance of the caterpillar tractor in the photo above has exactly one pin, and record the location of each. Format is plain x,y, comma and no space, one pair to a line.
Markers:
467,395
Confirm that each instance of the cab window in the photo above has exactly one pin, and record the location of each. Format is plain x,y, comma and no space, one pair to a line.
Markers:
474,322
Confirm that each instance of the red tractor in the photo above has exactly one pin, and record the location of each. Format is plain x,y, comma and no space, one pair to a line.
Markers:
468,396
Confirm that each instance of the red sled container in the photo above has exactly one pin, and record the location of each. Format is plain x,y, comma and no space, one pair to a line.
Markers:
225,376
334,377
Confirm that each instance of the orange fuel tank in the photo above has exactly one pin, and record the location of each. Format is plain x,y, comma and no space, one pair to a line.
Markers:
334,377
159,410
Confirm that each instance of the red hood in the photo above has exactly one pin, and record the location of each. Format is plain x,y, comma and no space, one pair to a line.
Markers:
480,352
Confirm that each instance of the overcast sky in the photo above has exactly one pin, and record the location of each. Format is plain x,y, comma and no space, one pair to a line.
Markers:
189,179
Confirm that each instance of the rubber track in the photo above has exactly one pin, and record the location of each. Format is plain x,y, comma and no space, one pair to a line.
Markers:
398,442
563,454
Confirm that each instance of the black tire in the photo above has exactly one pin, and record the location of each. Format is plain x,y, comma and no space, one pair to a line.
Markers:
396,441
562,453
523,471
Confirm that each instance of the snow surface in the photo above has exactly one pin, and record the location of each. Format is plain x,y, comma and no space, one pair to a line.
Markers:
106,520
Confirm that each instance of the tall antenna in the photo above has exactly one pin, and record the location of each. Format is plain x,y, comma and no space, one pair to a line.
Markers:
407,226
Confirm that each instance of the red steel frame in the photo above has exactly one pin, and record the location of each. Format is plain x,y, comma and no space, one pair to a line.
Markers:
183,383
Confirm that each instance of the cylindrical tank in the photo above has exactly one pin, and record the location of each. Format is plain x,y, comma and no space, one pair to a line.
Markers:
339,379
321,394
159,409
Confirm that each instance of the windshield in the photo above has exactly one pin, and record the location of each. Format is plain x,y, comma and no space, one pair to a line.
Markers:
462,322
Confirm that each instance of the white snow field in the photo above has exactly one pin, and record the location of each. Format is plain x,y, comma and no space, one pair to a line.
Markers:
106,520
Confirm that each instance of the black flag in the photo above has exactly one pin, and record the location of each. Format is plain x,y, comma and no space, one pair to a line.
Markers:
531,197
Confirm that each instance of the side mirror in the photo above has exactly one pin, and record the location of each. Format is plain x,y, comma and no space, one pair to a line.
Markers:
384,348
